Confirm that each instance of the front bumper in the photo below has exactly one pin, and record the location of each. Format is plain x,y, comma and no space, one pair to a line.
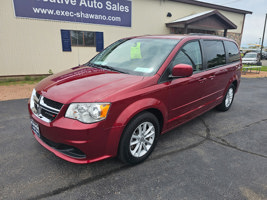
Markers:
77,142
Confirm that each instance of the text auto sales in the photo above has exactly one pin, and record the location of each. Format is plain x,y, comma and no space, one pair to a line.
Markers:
92,4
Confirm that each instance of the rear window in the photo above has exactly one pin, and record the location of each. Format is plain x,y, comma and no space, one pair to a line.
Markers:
232,51
215,53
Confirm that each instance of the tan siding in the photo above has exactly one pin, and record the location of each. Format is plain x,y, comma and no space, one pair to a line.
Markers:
31,46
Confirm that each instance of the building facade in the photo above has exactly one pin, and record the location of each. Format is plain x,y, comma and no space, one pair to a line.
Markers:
38,36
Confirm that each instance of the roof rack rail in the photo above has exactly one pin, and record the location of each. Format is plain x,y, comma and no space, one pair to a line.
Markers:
204,34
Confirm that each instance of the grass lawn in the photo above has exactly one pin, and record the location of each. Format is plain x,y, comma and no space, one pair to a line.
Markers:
27,80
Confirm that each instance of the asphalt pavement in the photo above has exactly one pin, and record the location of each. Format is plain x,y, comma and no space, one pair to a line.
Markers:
219,155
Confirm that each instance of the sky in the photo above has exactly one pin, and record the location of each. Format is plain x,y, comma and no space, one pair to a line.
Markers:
254,23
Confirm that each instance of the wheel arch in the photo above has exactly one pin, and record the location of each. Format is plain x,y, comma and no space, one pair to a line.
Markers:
235,83
122,153
152,105
235,80
158,115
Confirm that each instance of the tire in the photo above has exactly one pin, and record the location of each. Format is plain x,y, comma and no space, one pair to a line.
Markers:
139,138
228,99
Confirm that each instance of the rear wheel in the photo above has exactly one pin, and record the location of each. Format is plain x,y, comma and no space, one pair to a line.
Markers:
139,138
228,99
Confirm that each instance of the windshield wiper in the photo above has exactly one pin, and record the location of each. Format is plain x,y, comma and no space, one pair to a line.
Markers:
105,67
111,68
92,65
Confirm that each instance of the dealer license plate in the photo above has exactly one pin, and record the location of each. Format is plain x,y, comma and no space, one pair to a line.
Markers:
35,127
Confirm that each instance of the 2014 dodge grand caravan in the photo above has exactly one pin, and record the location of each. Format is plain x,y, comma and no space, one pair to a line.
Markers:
119,102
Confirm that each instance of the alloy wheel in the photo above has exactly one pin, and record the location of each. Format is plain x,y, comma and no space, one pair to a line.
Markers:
229,97
142,139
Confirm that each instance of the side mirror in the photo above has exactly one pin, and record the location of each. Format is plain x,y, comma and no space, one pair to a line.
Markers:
182,70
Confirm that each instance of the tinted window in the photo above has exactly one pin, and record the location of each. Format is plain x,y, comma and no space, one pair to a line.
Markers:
215,53
232,50
190,54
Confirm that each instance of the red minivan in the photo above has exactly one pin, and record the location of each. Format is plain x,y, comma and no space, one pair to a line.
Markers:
137,88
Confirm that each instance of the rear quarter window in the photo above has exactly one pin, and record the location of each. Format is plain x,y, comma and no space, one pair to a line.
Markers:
215,53
232,51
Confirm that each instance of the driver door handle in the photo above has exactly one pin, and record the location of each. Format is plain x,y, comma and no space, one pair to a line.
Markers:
212,77
202,80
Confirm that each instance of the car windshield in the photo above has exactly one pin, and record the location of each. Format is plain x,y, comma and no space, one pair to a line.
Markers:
137,56
250,55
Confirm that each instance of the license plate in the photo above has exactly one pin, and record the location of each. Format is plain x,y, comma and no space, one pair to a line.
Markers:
35,127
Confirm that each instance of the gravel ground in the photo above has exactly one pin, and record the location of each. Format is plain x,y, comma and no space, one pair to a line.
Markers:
11,92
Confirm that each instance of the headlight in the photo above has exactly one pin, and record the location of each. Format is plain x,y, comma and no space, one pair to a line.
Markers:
88,112
32,101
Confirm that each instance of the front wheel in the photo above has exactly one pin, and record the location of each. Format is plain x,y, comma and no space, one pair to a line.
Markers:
228,99
139,138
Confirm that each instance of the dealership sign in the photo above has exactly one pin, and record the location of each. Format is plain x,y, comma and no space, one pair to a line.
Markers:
107,12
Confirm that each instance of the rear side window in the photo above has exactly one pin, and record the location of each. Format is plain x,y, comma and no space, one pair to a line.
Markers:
215,53
232,51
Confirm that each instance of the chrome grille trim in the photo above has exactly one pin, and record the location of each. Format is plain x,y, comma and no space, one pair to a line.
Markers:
41,108
44,105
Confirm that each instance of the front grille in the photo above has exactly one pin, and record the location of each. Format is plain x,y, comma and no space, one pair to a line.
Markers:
52,103
48,114
46,109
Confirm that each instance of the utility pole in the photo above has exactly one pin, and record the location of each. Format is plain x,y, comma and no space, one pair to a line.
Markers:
263,35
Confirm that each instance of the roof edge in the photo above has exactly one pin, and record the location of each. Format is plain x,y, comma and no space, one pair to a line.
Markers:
203,15
213,6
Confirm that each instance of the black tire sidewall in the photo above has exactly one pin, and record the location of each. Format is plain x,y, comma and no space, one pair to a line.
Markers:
124,147
222,106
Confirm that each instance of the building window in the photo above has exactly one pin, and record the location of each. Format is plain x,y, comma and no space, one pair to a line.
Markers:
83,38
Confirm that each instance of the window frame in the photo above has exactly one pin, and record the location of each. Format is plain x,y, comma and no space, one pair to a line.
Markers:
165,75
83,32
201,51
227,52
205,61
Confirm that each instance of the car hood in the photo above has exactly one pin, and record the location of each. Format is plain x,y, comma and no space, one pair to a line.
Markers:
84,84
